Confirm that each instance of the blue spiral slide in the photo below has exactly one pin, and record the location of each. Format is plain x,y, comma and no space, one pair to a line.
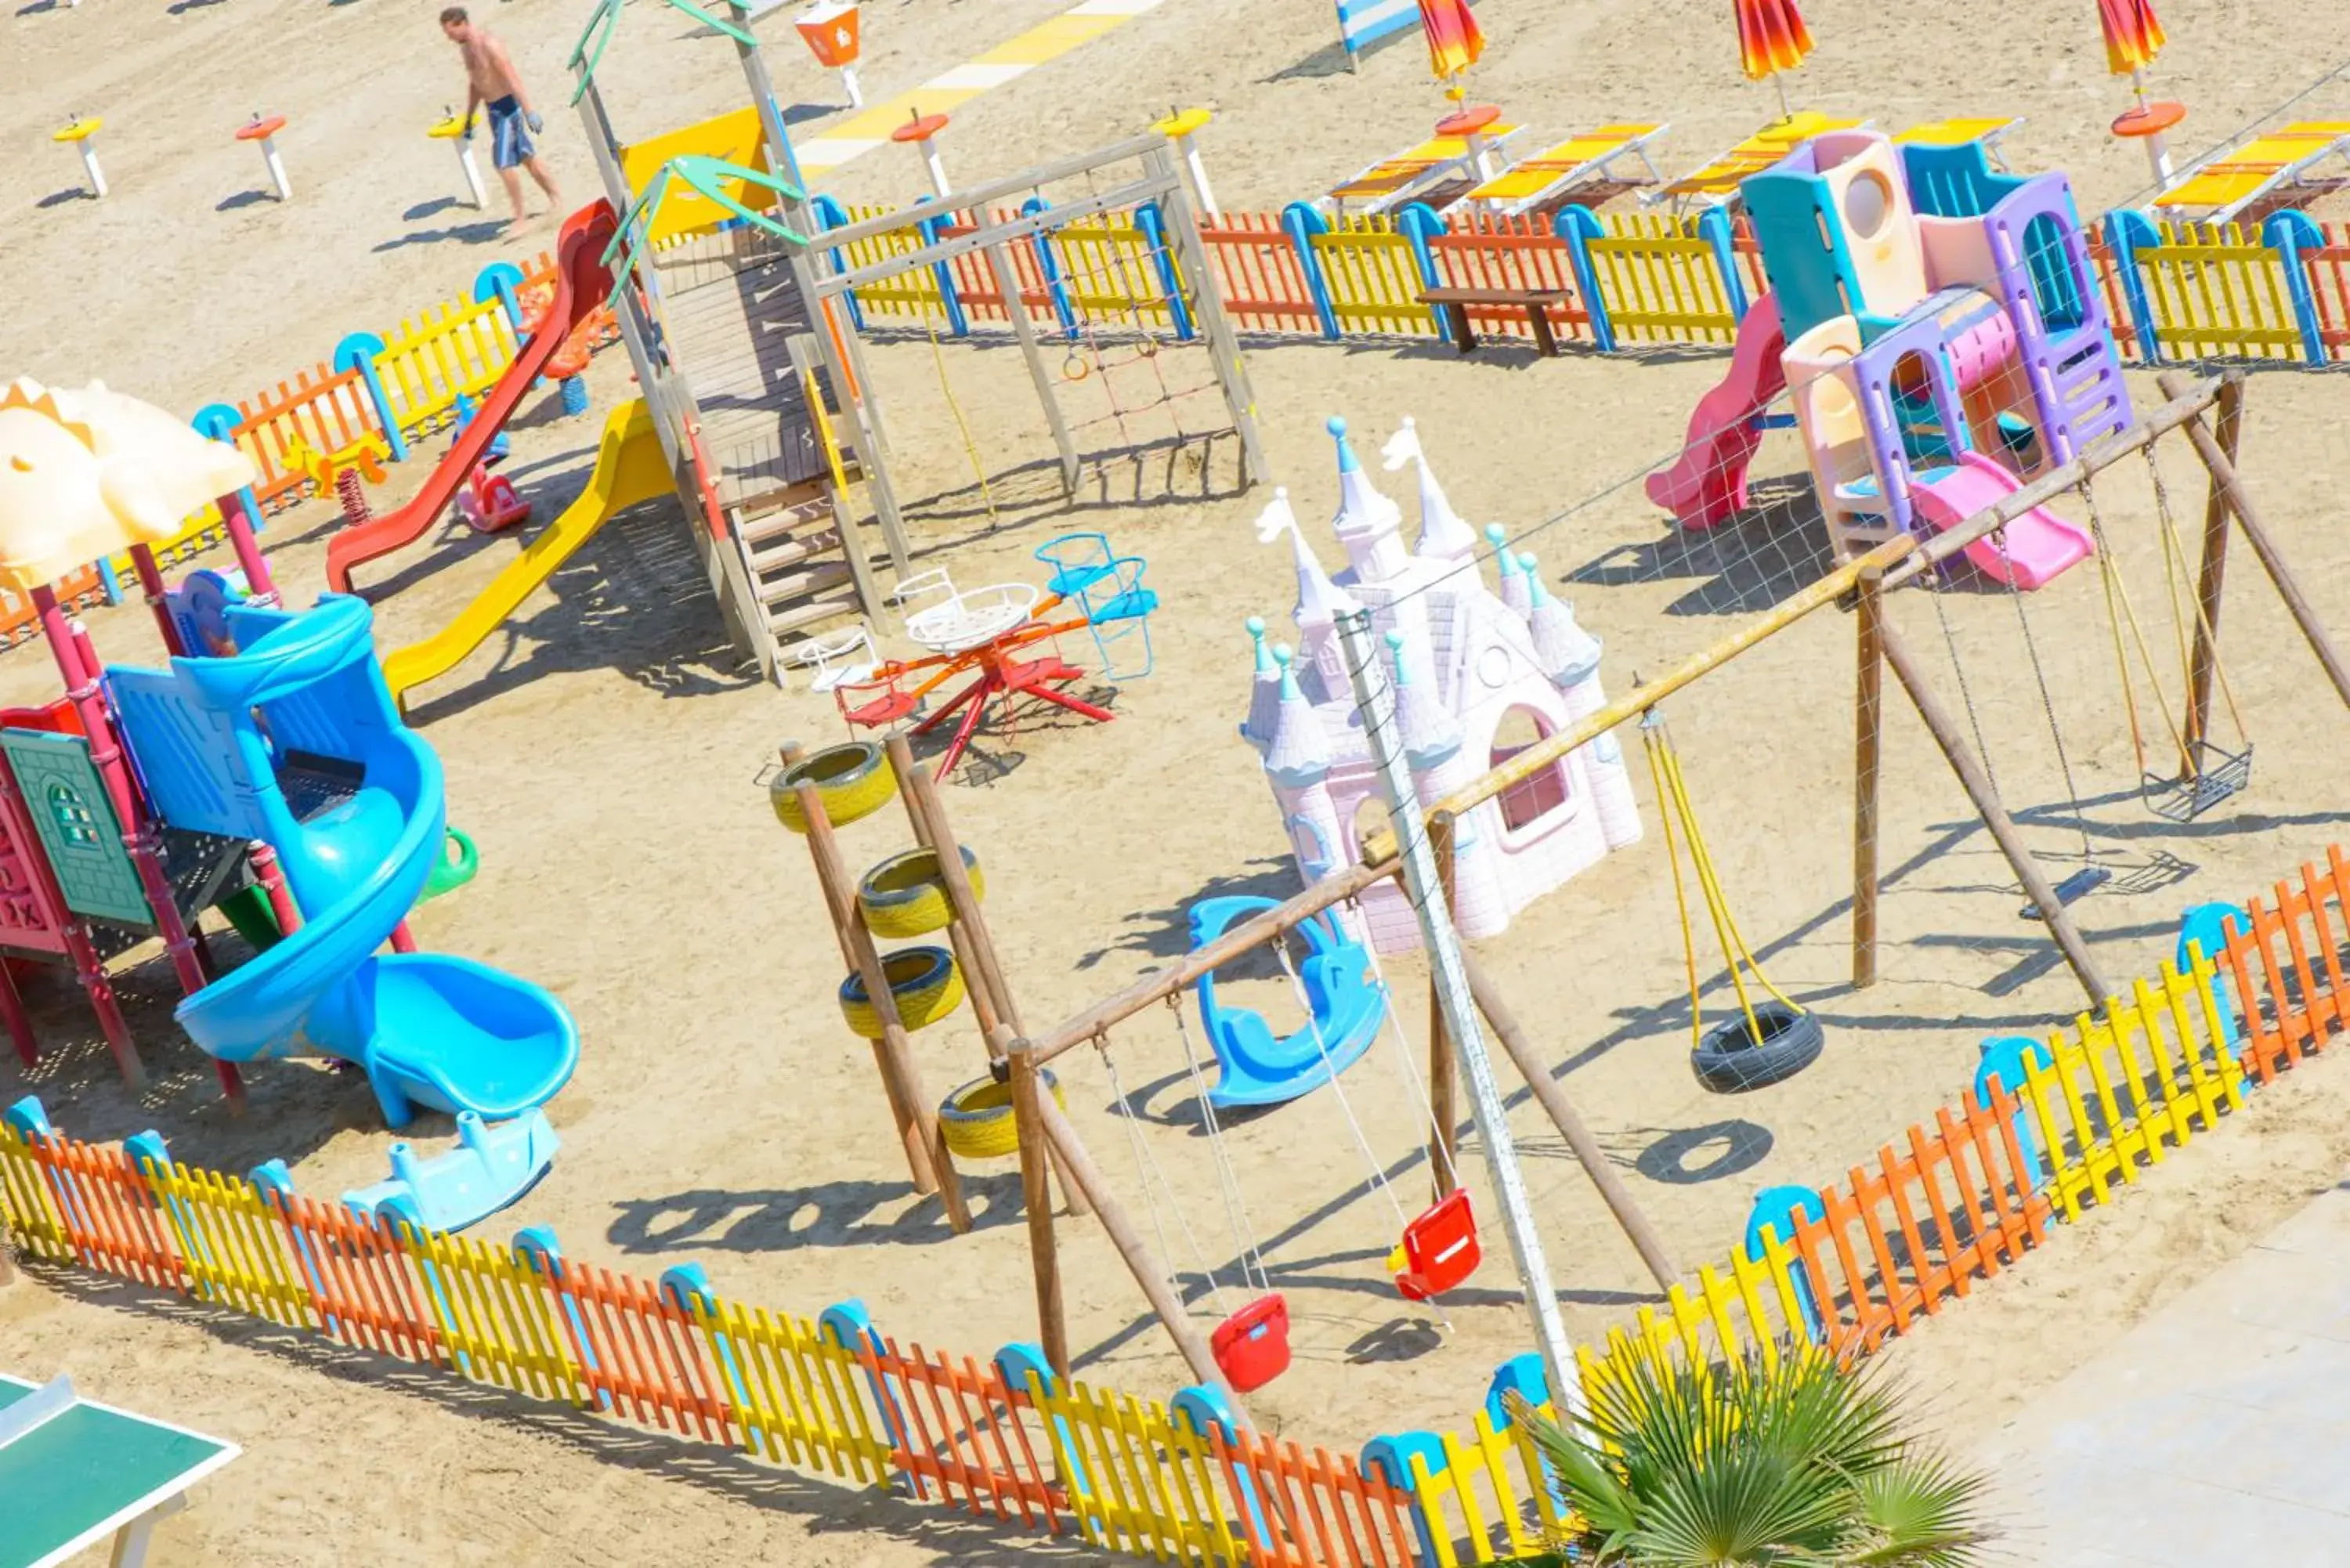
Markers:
293,740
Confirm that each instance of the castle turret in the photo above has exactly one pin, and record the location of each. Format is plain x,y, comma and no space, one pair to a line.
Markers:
1369,525
1264,690
1432,747
1297,760
1430,734
1444,534
1513,588
1570,656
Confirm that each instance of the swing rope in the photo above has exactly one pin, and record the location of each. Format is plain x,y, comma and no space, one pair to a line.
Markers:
930,310
1672,791
1153,1178
1402,1064
1227,1179
2048,711
1314,1026
2174,572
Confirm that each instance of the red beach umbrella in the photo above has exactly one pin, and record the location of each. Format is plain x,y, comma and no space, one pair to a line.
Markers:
1454,39
2134,34
1772,38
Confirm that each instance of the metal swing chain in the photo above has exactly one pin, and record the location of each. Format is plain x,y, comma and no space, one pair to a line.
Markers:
1148,1164
1322,1048
1403,1064
1958,667
2174,560
1227,1179
2118,591
2048,710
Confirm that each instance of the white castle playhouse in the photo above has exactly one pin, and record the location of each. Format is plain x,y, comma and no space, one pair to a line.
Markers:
1479,676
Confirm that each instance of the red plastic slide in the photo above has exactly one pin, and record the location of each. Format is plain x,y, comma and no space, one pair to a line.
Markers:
1707,485
582,282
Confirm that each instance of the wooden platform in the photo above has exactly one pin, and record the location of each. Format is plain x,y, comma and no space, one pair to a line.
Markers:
729,305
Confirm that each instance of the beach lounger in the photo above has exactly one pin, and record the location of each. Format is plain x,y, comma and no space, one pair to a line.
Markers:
1959,131
1416,173
1547,179
1717,183
2234,178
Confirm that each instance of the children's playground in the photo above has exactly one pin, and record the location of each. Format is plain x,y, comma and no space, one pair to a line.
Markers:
1794,622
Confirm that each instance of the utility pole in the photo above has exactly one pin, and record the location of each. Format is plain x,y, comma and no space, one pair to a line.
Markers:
1376,698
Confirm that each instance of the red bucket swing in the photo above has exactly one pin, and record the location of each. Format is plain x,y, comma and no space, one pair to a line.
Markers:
1252,1346
1439,1250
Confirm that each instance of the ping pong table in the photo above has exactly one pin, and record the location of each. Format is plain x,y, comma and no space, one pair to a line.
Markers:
73,1472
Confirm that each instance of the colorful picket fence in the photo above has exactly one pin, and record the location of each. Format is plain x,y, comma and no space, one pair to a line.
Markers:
1948,1204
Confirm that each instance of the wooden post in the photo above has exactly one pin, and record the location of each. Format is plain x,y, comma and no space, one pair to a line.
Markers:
1443,1145
1075,1159
982,968
963,903
1562,1113
2231,486
1979,788
1868,713
2211,580
1043,1258
926,1148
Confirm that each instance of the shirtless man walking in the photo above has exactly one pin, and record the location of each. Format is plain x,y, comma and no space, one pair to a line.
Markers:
492,81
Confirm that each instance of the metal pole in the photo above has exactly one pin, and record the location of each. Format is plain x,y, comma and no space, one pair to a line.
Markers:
1377,702
1443,1112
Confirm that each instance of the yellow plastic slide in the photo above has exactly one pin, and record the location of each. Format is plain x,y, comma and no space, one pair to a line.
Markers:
629,469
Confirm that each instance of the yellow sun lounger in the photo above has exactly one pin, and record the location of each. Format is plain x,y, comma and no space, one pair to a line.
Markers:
1575,163
1959,131
2233,180
1718,182
1414,171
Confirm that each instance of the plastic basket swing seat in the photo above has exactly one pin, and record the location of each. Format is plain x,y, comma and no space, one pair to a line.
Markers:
1439,1249
1252,1346
1253,1067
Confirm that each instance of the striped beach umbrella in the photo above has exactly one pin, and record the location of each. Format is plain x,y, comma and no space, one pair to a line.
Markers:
1772,38
1454,39
2134,34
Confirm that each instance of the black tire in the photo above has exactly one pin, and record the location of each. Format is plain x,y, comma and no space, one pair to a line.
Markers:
1728,1061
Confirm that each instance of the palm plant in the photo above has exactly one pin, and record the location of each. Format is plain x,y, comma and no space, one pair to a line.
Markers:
1789,1459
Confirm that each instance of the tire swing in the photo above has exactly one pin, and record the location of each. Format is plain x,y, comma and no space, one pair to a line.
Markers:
851,780
924,984
977,1120
1770,1041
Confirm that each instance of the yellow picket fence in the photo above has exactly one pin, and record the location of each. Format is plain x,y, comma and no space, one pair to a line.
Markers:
497,1320
1660,281
2218,290
1150,1487
1110,271
794,1392
914,292
454,350
235,1248
1373,278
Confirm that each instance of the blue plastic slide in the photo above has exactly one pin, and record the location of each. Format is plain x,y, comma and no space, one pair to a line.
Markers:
293,740
1256,1069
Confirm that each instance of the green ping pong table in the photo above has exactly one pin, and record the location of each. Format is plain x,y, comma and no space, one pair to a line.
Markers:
72,1473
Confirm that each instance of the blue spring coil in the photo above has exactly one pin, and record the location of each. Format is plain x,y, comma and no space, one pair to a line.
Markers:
574,394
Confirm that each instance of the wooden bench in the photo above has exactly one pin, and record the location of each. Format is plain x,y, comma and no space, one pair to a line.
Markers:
1535,302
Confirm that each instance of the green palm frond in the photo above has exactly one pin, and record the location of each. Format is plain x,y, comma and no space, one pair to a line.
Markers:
1790,1460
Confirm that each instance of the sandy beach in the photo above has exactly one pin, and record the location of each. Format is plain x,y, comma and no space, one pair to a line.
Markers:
608,751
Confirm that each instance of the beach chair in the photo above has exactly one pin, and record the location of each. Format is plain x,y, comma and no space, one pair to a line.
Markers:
2224,185
1550,179
1959,131
1440,171
1717,183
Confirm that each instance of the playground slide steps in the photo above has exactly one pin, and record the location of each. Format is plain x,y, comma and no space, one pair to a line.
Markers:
796,550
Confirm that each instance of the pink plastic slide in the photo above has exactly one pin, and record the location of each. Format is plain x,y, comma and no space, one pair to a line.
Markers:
1707,485
2039,544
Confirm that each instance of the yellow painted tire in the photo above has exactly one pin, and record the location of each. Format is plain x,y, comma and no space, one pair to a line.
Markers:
904,895
923,981
852,779
977,1121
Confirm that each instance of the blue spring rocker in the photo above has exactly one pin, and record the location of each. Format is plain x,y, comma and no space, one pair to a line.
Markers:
1255,1068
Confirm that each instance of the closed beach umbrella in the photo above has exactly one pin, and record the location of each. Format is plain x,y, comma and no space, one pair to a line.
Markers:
2132,35
1454,39
1772,38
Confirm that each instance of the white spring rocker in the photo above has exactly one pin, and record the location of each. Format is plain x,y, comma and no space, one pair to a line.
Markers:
450,128
79,135
264,131
922,130
829,30
1178,127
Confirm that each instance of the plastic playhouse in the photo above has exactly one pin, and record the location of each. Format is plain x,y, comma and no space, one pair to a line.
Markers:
1941,331
1467,662
268,764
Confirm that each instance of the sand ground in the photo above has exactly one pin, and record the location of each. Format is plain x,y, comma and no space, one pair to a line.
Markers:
606,754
